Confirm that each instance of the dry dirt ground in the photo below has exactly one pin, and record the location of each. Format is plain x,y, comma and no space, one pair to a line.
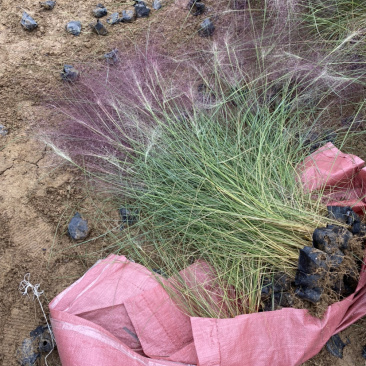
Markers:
37,194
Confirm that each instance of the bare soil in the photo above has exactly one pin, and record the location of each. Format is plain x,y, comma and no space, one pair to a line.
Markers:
40,193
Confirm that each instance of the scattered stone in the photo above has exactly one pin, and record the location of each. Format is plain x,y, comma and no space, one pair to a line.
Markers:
364,352
206,28
196,7
69,73
113,19
74,27
128,217
335,346
142,11
99,28
157,4
28,22
128,16
112,57
48,5
78,228
40,341
358,228
100,11
3,130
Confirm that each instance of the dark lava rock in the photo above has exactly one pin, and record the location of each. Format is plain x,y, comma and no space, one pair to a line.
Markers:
128,16
48,5
112,57
206,28
335,346
364,352
142,11
157,4
196,7
343,214
99,28
113,19
281,282
69,73
74,27
309,294
100,11
78,228
28,22
3,130
311,260
128,217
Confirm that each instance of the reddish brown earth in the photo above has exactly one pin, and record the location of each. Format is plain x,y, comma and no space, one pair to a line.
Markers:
40,193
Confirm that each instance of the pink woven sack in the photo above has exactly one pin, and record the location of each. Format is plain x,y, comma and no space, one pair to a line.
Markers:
117,314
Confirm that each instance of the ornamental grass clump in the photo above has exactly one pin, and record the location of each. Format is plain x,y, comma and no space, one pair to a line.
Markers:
210,169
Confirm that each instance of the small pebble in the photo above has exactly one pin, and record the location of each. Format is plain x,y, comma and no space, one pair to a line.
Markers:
3,130
157,4
69,73
207,28
128,16
113,19
112,57
28,22
142,11
48,5
78,228
74,27
100,11
99,28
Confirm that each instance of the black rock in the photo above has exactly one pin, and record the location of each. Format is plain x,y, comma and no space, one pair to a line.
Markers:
128,217
40,341
100,11
128,16
206,28
309,294
28,22
74,27
142,11
99,28
335,346
335,259
112,57
312,260
196,7
113,19
3,130
69,73
78,228
343,214
157,4
48,5
364,352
